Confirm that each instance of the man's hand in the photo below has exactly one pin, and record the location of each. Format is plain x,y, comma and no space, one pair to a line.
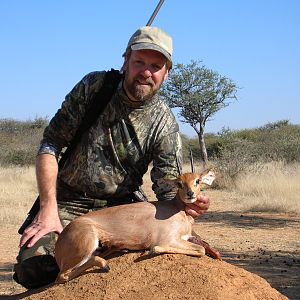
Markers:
199,207
47,220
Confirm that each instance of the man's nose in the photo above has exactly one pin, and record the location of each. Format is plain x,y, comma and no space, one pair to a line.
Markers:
146,72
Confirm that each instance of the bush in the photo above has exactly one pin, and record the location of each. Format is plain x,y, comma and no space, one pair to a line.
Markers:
190,145
231,152
237,152
19,141
19,158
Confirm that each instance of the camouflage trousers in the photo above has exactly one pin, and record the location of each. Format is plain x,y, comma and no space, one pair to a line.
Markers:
36,266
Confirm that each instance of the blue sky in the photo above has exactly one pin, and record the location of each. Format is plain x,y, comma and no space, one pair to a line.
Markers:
48,46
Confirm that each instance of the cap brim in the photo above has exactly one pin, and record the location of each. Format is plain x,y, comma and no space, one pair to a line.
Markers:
149,46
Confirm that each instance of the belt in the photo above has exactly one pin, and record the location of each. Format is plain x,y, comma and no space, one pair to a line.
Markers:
67,197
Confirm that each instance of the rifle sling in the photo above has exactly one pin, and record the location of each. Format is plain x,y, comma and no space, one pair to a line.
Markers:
110,84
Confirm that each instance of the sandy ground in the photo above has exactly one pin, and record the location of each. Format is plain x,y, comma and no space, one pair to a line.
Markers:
267,245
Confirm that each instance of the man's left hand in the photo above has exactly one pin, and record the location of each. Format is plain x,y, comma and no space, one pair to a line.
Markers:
199,207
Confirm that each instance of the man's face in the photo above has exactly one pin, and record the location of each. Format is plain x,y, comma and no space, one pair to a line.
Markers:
145,71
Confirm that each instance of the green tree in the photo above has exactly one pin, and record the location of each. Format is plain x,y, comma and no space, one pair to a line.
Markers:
199,93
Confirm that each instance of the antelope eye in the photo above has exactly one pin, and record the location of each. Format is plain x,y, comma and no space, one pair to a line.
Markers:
197,182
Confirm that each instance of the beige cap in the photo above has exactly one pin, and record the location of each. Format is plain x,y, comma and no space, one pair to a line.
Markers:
152,38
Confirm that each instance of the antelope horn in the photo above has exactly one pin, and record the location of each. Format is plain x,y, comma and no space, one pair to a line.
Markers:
192,161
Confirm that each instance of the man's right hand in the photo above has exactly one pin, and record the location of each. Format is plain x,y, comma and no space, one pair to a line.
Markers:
47,220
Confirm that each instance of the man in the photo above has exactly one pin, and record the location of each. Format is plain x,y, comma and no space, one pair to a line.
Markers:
107,166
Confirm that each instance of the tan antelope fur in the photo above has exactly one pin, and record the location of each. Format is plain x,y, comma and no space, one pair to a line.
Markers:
161,226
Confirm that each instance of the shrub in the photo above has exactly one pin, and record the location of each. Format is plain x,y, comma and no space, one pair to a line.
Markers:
19,141
237,152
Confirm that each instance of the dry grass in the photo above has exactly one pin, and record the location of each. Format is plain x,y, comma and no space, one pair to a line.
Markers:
271,187
17,193
274,187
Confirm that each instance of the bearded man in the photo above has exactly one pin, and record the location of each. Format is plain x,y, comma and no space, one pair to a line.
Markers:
107,165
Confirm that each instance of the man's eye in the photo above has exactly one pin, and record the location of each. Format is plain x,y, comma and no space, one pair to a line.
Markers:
138,62
156,67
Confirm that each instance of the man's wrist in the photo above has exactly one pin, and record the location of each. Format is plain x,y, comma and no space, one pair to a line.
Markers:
48,203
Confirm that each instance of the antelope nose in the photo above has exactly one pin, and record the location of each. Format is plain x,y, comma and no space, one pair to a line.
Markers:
190,193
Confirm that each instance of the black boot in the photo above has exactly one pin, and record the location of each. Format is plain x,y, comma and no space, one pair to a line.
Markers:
36,271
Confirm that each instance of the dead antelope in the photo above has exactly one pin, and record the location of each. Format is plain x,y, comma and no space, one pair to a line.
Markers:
161,226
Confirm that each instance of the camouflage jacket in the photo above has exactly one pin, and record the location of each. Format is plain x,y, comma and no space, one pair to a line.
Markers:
115,152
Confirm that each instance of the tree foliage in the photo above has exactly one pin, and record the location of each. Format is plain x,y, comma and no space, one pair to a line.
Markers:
199,93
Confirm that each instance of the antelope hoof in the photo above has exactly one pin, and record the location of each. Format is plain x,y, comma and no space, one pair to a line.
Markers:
156,250
61,278
106,269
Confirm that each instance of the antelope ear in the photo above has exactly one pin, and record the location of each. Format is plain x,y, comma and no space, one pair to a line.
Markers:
208,177
179,184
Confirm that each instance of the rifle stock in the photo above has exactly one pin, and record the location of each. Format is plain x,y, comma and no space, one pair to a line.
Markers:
30,216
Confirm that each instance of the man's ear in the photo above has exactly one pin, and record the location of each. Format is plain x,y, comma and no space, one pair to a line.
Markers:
166,75
126,59
124,67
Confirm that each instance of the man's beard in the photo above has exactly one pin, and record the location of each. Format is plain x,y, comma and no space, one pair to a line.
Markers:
139,92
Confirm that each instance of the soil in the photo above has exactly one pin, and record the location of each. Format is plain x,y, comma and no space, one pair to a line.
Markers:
260,260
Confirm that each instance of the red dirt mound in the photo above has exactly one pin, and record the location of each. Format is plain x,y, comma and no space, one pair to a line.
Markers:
168,276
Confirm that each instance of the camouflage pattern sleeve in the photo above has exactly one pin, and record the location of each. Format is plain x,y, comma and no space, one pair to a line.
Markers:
47,148
62,127
167,163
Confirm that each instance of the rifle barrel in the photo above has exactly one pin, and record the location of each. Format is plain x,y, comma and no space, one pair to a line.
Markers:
155,12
